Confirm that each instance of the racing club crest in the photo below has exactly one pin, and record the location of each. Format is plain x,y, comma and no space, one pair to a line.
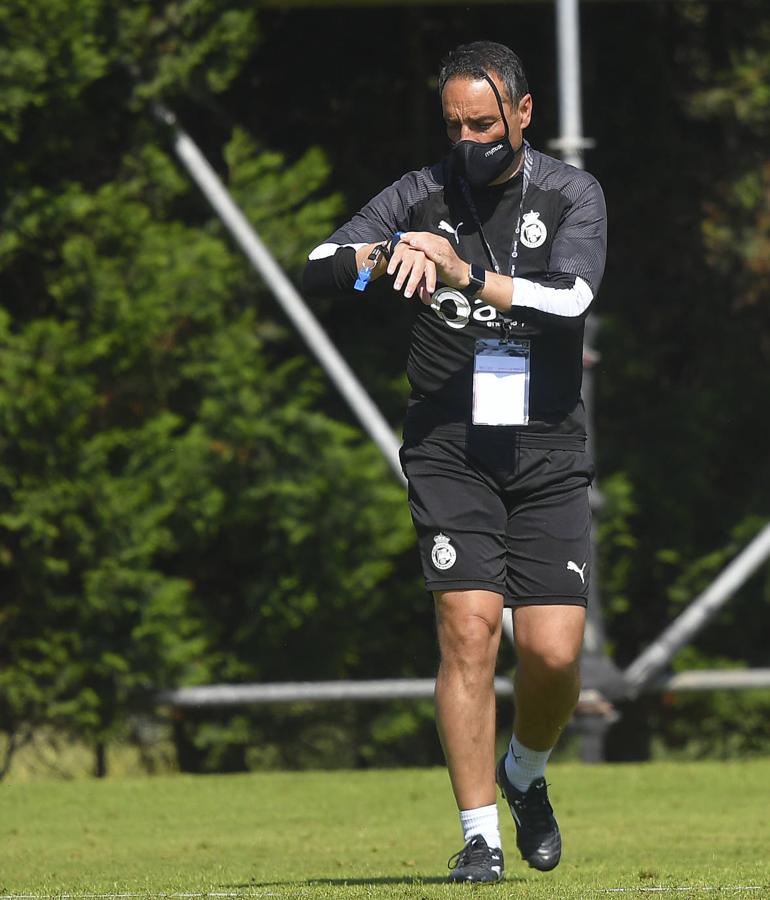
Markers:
443,553
533,231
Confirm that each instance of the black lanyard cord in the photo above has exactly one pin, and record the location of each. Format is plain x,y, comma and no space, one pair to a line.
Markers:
527,175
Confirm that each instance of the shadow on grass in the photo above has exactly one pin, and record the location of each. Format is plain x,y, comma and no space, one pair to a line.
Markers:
336,882
414,880
385,879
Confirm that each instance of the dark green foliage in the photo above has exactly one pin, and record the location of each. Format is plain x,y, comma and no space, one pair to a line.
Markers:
176,508
309,736
687,340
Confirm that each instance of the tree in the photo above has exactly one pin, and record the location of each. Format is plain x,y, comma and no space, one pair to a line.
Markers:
689,353
175,506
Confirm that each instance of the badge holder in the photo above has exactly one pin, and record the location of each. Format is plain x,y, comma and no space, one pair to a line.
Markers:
501,381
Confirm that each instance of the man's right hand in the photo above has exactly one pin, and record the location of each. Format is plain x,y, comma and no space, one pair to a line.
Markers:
414,272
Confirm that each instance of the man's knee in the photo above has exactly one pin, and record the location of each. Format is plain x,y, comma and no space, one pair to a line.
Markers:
554,664
549,640
468,625
466,641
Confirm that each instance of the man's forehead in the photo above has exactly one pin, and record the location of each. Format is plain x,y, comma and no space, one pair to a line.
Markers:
471,92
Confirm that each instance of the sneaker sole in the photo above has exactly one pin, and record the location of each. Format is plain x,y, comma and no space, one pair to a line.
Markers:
451,880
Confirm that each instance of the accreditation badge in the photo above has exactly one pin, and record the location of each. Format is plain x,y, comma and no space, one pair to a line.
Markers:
501,382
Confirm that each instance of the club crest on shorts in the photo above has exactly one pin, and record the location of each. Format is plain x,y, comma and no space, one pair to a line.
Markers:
533,231
443,554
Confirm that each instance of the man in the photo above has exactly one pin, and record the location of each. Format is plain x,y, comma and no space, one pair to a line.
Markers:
505,249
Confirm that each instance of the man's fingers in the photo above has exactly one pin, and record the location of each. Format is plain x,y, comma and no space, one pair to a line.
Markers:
421,242
433,246
430,276
427,283
440,252
405,261
413,268
415,276
404,270
402,251
418,243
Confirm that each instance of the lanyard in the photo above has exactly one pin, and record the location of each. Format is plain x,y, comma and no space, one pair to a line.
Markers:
477,221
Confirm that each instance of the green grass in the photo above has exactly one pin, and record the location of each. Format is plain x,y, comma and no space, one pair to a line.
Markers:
692,830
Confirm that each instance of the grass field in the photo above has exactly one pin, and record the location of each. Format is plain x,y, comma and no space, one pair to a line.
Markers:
663,829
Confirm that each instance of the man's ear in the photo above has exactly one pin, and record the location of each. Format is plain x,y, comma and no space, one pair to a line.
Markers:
525,110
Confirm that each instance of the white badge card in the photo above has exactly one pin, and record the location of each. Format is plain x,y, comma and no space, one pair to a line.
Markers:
501,382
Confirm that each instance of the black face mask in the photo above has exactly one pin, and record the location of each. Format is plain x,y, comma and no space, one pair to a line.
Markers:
482,163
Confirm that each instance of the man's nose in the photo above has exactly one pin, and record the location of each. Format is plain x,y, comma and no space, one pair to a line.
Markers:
467,133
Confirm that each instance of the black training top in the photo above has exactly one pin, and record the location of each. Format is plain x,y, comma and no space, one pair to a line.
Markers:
559,263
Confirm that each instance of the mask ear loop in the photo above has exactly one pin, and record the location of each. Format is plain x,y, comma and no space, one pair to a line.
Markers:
499,103
502,110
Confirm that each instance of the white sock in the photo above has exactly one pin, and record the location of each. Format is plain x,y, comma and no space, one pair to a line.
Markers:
483,821
523,766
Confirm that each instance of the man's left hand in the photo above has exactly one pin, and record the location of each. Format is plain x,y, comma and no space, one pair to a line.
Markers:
452,270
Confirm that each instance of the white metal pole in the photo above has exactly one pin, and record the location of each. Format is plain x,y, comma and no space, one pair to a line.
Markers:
595,663
570,145
571,141
283,290
656,657
218,695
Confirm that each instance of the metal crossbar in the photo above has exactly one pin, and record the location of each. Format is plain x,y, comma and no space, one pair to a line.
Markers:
219,695
649,664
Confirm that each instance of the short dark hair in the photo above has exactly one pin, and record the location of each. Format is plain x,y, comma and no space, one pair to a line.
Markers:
481,57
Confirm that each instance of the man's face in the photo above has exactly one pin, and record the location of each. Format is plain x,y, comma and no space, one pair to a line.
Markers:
471,111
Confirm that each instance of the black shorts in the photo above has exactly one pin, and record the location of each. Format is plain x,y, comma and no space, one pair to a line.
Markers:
494,516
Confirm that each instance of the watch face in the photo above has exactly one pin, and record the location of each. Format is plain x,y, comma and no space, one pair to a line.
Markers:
477,277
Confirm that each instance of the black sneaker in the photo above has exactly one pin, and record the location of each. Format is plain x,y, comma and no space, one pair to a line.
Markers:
537,834
477,862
